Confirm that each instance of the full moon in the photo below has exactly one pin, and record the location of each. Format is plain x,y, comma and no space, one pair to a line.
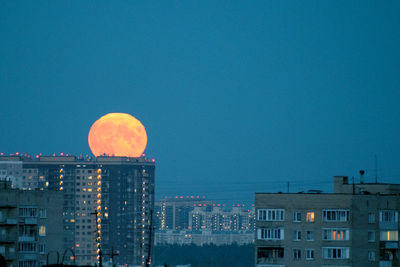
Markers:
117,134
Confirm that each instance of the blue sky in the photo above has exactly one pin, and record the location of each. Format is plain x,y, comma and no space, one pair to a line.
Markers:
236,96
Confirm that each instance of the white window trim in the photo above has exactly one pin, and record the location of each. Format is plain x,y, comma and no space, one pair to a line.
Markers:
344,251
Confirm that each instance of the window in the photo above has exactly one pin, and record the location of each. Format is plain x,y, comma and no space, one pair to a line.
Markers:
42,230
309,254
388,216
392,235
27,247
26,263
42,213
335,253
297,216
297,254
297,236
310,216
371,217
335,215
270,253
270,234
371,255
335,234
310,236
27,212
42,248
371,236
271,215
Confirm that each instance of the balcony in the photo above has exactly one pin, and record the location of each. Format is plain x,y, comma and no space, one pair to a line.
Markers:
7,239
26,238
10,256
30,221
385,264
7,206
9,222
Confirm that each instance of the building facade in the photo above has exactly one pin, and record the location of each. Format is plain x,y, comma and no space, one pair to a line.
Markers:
30,225
107,203
193,220
357,225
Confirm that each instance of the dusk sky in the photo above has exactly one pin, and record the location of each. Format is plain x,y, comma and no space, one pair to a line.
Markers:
237,97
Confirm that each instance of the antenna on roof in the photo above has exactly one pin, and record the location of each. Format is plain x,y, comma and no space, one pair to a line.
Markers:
362,176
376,169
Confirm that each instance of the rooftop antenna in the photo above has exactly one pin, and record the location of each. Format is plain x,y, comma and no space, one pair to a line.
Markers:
362,176
376,169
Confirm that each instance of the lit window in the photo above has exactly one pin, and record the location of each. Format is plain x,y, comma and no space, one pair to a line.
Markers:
335,234
310,216
42,230
390,235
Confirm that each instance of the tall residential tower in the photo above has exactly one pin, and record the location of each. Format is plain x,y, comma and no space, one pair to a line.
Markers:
107,202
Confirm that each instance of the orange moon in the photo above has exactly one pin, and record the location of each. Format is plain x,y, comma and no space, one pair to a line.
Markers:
117,134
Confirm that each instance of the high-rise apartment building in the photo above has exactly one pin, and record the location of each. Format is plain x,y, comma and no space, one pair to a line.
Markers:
357,225
30,225
174,213
107,203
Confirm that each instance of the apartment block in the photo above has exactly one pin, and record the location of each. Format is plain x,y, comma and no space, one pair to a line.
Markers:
203,237
107,202
357,225
30,225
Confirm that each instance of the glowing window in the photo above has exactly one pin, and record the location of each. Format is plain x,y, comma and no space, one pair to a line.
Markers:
42,230
310,216
390,235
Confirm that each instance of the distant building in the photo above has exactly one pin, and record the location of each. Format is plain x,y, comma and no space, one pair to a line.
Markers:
219,219
194,220
173,213
119,190
203,237
357,225
30,225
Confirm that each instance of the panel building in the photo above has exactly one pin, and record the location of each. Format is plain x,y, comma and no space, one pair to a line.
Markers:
107,203
30,225
186,220
357,225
